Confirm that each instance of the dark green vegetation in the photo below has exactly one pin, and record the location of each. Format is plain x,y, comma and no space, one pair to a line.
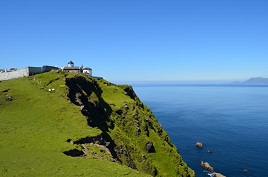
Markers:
62,124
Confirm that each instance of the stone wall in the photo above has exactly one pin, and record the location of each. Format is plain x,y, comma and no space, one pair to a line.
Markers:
29,71
14,74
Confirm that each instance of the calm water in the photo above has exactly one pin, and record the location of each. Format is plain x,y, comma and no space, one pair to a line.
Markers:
231,121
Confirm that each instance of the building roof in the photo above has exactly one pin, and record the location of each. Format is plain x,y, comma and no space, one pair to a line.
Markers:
70,62
87,68
71,68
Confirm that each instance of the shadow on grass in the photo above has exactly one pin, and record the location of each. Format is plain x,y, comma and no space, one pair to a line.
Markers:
96,111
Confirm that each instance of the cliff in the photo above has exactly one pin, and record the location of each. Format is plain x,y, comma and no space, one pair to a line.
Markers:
58,124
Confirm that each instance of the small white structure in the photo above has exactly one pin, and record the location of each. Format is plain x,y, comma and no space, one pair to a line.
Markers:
87,71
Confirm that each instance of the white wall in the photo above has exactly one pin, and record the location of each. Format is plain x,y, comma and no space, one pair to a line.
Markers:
87,72
14,74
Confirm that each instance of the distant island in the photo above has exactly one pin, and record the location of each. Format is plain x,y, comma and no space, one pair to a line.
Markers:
254,81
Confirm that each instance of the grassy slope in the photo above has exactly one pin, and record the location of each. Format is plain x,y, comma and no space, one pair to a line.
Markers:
166,159
34,128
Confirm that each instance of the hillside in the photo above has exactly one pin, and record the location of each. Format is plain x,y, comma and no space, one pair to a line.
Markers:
254,81
62,124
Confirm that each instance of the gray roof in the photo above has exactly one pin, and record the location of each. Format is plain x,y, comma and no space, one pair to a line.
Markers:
71,68
70,62
87,68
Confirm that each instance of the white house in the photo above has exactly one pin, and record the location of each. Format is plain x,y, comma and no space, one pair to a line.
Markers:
77,69
71,68
87,71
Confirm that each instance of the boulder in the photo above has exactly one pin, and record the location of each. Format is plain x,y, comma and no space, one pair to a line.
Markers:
218,175
149,147
206,166
119,111
199,144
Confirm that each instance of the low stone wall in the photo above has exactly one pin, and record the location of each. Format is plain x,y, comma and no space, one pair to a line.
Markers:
14,74
29,71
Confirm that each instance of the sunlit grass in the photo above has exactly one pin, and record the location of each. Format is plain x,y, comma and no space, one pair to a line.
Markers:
38,123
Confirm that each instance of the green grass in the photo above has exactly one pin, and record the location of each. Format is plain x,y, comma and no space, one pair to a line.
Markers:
37,123
35,127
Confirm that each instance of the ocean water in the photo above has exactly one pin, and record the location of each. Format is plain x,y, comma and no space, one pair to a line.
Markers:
230,121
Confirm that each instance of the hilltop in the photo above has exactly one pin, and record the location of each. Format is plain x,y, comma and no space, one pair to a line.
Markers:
254,81
67,124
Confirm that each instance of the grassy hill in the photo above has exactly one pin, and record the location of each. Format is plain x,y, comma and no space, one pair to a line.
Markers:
62,124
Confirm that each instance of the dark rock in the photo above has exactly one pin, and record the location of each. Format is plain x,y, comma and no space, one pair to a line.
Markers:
119,111
149,147
167,139
74,153
146,129
138,131
159,131
6,90
149,123
130,92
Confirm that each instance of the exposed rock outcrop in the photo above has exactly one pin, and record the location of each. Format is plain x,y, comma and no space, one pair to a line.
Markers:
218,175
149,147
206,166
199,145
210,169
128,127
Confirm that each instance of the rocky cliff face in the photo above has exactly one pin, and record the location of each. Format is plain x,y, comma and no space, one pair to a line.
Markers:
130,134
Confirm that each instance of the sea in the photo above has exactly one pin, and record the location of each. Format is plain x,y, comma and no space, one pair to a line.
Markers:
231,121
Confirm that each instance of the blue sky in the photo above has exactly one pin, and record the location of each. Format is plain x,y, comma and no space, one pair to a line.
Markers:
139,40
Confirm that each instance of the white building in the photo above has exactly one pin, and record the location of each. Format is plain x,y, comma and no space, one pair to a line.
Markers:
77,69
87,71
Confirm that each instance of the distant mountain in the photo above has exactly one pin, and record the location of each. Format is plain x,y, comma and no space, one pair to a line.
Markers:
254,81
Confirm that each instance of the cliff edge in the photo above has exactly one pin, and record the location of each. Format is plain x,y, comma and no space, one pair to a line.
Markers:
67,122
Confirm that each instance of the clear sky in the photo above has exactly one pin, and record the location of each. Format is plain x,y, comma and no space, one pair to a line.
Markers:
139,40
